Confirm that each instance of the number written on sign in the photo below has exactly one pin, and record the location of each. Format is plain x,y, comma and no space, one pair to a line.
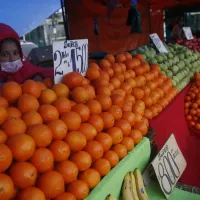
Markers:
169,172
74,58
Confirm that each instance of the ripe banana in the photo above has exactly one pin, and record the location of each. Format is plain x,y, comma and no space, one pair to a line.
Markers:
110,197
134,190
140,185
127,188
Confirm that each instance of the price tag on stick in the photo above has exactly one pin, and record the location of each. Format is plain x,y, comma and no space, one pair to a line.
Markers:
169,165
158,43
70,56
188,33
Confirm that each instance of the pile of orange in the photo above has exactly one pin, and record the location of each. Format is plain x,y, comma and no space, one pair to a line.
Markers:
58,141
192,105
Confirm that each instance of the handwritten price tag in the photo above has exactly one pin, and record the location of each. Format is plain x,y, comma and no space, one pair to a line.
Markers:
158,43
188,33
70,56
169,165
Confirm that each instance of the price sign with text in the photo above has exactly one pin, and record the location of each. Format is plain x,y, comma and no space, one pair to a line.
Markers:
169,165
70,56
158,43
188,33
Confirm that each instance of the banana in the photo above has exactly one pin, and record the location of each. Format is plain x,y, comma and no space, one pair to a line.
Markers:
127,188
140,185
110,197
134,190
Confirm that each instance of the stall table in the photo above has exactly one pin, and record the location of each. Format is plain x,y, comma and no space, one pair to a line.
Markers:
172,120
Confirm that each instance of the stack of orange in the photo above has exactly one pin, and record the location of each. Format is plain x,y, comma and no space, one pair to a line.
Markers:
192,105
58,141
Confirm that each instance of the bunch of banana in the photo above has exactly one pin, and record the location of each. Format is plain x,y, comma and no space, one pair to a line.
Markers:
110,197
133,187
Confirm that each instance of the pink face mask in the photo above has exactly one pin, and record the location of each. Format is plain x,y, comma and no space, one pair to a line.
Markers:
11,67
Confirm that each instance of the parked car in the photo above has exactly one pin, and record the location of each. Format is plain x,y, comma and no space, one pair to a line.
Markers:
27,47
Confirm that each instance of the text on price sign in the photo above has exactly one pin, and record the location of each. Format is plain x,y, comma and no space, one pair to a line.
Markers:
158,43
169,165
68,56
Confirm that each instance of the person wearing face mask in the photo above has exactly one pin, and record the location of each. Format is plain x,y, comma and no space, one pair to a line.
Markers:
12,67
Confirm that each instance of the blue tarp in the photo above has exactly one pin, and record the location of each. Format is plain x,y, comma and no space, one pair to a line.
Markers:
25,15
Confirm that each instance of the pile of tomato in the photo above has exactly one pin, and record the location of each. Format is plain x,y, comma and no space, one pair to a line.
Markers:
192,104
57,141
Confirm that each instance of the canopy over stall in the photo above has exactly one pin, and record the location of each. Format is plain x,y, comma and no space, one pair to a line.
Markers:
24,15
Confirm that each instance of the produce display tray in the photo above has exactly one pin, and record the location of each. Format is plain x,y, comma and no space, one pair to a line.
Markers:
154,192
112,183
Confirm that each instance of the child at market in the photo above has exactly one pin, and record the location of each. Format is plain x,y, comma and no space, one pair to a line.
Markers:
12,67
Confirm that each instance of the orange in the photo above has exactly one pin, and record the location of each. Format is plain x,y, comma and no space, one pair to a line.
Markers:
136,135
31,118
85,81
13,127
76,140
90,90
47,182
148,114
140,81
47,96
116,112
72,80
68,170
80,95
95,149
92,73
105,140
116,82
131,82
33,192
117,68
41,85
102,166
48,113
7,187
97,122
62,104
105,101
61,90
126,87
3,137
108,119
129,116
14,112
41,134
3,102
123,66
91,177
146,90
42,159
6,157
128,55
94,106
102,81
138,93
148,101
72,120
119,91
112,157
120,58
120,149
82,159
119,76
82,110
48,82
23,174
117,99
124,125
110,58
88,130
128,143
22,146
104,63
31,87
101,90
60,150
3,115
116,134
79,189
141,127
27,103
11,91
126,75
58,129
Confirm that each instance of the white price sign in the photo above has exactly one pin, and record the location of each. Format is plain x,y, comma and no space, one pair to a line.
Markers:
70,56
188,33
169,165
158,43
